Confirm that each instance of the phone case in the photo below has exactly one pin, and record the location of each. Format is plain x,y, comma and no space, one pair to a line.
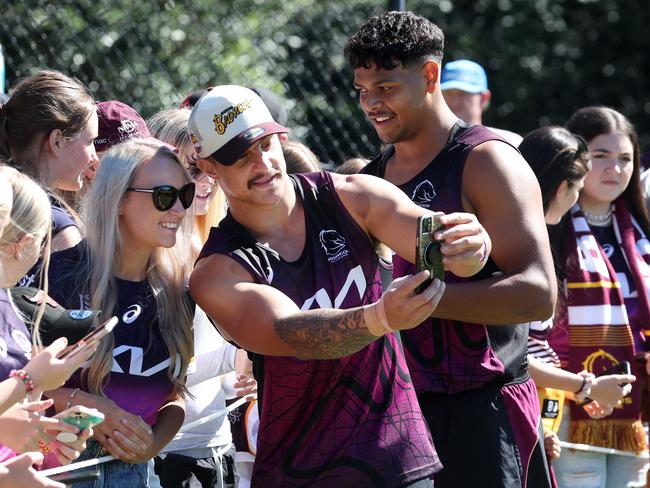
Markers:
621,368
94,335
78,416
427,251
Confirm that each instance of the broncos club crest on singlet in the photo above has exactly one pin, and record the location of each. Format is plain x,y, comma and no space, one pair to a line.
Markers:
446,356
353,420
423,194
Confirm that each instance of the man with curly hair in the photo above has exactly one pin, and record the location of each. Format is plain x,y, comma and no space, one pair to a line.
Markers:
468,360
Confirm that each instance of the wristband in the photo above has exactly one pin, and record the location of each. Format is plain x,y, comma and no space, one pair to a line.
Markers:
25,377
582,385
374,315
68,404
585,389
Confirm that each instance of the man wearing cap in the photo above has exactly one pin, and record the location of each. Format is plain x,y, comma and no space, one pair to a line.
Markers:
465,88
270,99
468,360
291,276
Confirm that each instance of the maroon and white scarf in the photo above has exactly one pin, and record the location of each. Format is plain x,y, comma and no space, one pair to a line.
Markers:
600,335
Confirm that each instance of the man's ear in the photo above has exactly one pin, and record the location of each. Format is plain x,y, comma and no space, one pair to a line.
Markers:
431,72
53,142
485,99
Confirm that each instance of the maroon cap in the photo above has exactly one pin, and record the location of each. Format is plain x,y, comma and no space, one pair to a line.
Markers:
117,123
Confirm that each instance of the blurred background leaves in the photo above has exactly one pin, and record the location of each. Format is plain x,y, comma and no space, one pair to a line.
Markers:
544,58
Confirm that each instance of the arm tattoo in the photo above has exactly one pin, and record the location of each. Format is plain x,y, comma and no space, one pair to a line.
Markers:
325,334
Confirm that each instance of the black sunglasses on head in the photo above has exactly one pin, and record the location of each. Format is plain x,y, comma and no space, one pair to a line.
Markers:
164,196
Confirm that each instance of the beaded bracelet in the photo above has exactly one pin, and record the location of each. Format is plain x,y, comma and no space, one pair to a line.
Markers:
25,377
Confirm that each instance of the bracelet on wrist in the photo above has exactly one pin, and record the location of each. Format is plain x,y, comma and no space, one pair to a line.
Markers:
374,316
582,385
585,390
25,377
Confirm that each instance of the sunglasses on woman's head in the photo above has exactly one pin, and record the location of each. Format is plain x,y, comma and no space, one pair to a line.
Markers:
164,196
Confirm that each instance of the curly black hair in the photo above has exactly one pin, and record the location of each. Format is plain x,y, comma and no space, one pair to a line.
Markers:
393,38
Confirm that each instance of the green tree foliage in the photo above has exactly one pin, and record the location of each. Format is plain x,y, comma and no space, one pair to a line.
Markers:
544,58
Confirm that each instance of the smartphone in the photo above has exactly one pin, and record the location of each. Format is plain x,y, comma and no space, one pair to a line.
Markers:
79,416
621,368
76,475
91,338
427,251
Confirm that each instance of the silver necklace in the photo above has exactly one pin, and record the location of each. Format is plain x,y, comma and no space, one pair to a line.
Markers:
600,220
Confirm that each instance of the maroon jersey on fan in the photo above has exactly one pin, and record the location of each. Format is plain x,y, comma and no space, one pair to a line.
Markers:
353,420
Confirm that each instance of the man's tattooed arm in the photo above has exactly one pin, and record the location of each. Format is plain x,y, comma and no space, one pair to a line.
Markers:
325,334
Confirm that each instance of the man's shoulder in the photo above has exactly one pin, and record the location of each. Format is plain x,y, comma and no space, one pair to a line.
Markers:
511,137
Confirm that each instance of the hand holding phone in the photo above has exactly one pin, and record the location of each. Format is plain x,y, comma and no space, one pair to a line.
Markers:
427,251
91,339
79,416
614,393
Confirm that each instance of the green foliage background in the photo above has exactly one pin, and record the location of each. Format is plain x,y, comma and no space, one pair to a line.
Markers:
544,58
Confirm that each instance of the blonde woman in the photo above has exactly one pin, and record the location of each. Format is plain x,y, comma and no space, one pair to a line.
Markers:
204,454
27,228
47,130
129,267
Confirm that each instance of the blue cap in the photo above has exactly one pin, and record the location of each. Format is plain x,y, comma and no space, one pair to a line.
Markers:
464,75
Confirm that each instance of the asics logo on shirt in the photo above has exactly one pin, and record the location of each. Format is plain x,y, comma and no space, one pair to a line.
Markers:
132,313
423,194
333,244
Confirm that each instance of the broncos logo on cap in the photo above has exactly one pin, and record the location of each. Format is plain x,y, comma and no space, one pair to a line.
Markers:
423,194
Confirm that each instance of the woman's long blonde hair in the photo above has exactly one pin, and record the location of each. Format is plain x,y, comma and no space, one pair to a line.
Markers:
171,126
165,273
30,212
